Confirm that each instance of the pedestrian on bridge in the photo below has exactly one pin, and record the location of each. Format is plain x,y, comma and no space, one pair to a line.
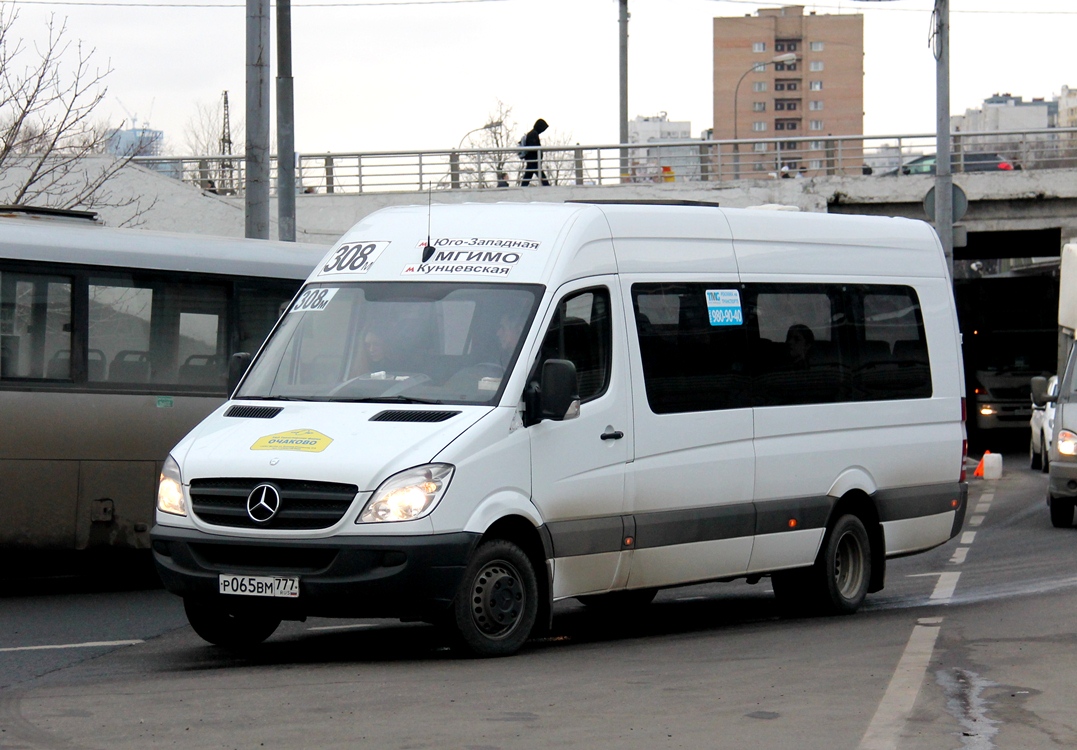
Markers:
532,158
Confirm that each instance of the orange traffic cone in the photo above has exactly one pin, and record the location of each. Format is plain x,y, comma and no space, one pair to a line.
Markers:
980,466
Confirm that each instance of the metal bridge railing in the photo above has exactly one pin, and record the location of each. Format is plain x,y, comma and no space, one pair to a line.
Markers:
618,164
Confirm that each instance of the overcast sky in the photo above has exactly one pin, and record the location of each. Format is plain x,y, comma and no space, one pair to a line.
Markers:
419,74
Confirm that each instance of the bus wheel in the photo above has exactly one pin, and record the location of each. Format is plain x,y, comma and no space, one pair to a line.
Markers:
497,603
846,565
838,581
1061,512
228,629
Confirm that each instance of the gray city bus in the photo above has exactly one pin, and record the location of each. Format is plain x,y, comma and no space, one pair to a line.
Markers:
114,343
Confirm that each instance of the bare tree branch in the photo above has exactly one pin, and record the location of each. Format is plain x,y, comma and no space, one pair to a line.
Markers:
50,93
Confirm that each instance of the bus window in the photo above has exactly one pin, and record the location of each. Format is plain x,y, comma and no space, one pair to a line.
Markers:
157,331
35,326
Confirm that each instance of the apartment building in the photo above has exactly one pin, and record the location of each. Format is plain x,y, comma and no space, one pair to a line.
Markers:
818,94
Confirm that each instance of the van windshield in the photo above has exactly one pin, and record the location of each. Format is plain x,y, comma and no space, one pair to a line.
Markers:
395,342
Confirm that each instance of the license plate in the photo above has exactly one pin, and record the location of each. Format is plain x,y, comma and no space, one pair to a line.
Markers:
283,586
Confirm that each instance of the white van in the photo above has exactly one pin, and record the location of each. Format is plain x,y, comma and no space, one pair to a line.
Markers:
473,411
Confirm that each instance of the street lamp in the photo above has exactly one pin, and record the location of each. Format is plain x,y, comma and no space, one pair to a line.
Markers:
488,126
756,67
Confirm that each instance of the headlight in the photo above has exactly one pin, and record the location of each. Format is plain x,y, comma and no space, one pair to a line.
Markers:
408,495
988,410
1067,443
170,490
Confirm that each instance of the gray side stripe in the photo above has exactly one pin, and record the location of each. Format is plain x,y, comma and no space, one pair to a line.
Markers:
914,502
591,536
694,525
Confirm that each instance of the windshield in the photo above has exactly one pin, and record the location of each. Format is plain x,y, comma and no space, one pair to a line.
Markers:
421,342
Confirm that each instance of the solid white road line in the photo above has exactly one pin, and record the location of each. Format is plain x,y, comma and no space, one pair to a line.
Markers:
90,644
898,701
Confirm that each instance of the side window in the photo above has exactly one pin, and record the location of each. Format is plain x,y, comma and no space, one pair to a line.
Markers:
580,332
164,332
893,359
796,342
258,306
692,346
35,326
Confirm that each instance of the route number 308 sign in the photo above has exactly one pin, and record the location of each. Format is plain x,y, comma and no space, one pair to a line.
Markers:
353,257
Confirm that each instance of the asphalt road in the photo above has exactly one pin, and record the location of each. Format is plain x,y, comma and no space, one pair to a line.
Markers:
971,645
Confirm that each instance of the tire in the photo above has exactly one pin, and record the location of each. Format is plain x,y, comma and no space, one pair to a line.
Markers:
618,602
1034,456
838,581
496,607
1045,455
1061,512
231,630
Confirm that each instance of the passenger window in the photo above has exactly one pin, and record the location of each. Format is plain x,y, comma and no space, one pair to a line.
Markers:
796,346
893,361
580,332
35,326
692,346
144,331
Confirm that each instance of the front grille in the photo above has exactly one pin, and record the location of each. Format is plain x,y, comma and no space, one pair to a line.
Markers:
413,416
254,412
303,505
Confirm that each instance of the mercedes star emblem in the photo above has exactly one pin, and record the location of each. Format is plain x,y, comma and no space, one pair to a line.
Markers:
263,503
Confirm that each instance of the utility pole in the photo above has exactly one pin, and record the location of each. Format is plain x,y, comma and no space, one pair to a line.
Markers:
227,174
256,193
944,179
285,125
623,29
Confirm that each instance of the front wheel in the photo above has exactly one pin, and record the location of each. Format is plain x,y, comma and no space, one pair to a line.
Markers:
1061,512
231,630
496,606
1034,455
1045,456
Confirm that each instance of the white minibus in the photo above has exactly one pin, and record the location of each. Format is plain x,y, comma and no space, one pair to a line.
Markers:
470,412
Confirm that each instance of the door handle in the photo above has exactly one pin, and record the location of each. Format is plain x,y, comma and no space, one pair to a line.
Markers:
613,435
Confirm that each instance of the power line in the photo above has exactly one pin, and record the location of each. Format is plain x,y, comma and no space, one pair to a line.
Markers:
375,3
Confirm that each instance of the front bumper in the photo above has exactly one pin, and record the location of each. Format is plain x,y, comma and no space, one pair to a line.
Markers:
349,576
1062,480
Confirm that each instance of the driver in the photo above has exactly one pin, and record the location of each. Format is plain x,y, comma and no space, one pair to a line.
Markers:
508,335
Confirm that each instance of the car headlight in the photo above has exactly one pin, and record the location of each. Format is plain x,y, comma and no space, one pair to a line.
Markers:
170,489
1067,443
408,495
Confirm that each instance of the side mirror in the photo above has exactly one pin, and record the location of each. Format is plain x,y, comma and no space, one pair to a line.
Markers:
1039,391
237,368
559,398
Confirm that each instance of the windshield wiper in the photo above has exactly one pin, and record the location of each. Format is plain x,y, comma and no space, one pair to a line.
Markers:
273,398
389,400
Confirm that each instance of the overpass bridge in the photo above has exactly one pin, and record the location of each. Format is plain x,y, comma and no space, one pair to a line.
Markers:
1028,211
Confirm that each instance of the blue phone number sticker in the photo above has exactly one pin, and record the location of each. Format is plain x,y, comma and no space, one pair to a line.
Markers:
723,307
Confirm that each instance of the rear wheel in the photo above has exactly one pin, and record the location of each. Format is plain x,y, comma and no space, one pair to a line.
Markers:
497,604
1061,512
232,630
838,581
